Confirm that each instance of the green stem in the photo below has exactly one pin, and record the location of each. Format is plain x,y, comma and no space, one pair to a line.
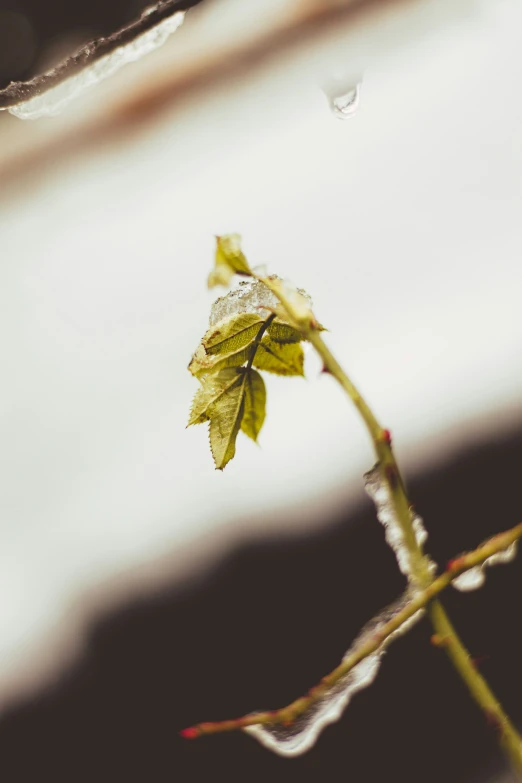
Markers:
259,337
383,451
458,654
477,686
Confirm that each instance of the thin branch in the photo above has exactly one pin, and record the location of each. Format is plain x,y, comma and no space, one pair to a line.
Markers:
460,565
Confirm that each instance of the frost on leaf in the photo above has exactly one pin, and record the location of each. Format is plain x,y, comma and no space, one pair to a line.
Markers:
279,359
250,296
379,492
302,733
229,261
253,296
476,577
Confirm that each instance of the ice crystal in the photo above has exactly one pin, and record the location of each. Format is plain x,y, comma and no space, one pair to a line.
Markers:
475,577
379,492
301,735
53,100
250,296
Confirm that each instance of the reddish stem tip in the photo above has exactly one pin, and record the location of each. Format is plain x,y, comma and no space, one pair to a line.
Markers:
190,733
454,565
386,437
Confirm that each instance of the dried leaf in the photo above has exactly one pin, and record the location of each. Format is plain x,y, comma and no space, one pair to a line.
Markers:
282,332
255,405
229,260
229,336
279,359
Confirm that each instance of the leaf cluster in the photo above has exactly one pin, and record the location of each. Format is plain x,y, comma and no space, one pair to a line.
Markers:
232,395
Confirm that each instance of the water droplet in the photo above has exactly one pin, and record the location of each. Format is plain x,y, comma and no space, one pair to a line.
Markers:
344,105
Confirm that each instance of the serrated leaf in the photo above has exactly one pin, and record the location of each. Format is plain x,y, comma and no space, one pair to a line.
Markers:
279,359
229,260
225,420
232,334
213,388
282,332
255,405
231,399
203,363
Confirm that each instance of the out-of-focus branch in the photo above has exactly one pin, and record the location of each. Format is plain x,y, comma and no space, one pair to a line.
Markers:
16,92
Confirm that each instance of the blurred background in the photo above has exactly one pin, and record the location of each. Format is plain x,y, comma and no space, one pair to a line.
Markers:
144,591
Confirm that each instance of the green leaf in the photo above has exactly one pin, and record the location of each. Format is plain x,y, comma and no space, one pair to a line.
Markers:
231,335
213,388
282,332
232,399
255,405
225,420
280,359
203,363
229,260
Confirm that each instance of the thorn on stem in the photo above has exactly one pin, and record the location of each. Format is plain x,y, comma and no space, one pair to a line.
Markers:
438,641
493,721
455,564
325,370
476,662
385,436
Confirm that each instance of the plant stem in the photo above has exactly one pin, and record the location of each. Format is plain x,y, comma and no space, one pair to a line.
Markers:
382,444
477,686
259,337
458,654
419,600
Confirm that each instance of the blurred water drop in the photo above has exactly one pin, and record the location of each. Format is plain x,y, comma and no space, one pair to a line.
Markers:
342,87
346,104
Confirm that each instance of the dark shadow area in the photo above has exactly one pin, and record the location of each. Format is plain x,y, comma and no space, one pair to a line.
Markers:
261,629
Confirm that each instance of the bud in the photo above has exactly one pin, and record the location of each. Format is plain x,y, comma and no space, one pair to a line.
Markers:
229,261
